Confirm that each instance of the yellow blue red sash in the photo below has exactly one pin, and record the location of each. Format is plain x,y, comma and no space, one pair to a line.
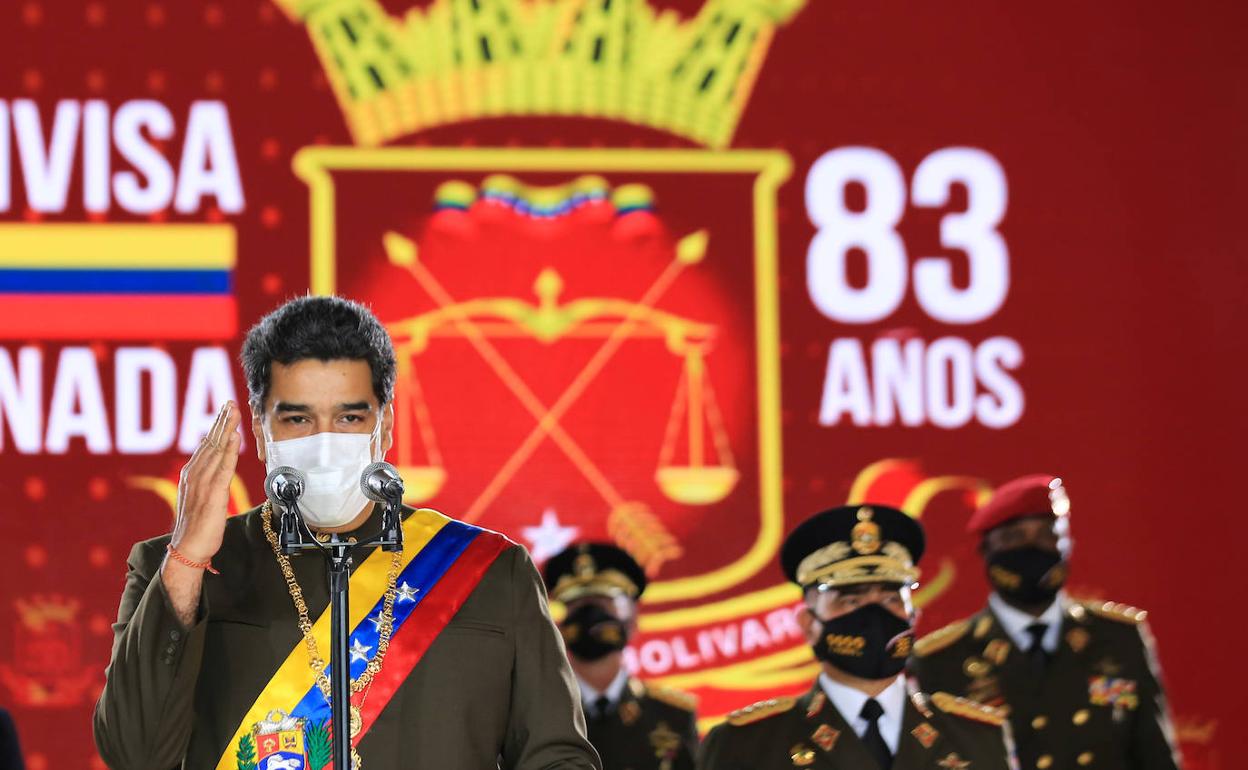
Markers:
443,561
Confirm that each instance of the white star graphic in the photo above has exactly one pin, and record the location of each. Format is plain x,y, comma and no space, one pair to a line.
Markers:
376,623
549,537
406,593
359,652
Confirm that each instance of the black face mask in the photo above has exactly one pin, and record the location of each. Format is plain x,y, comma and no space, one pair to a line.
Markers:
1027,575
590,632
869,642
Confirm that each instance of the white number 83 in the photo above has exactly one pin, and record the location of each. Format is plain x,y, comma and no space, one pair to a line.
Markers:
873,230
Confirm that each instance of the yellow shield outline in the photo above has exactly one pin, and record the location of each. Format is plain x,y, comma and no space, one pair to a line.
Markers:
315,166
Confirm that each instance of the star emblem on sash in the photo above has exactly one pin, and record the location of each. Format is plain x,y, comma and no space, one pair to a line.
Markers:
407,593
359,651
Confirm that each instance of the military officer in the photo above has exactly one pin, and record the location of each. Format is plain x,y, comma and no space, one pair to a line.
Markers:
633,726
219,656
1079,679
856,567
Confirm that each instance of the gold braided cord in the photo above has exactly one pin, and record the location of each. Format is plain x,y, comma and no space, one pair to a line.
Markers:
316,662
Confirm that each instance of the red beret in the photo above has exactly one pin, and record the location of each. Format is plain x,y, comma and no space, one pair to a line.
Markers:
1036,495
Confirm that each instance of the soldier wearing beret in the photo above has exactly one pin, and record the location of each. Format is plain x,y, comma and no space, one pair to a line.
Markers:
856,568
1079,679
633,726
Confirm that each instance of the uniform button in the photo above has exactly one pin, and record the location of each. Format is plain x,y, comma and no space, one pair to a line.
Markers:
171,649
1039,722
1044,761
1080,716
175,635
1085,758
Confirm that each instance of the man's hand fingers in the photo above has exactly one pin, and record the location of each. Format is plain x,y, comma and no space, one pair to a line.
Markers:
199,450
229,454
217,434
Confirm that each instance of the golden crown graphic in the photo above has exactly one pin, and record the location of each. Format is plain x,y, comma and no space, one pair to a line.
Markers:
460,60
39,611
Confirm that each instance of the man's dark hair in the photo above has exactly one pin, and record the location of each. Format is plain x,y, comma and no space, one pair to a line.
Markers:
323,328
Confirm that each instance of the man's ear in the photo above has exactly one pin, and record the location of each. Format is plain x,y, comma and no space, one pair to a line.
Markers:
806,622
387,427
257,432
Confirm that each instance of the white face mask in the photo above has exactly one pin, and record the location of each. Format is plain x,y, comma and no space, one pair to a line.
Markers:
333,463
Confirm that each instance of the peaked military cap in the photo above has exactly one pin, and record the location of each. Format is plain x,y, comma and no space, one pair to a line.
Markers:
584,569
1035,495
854,544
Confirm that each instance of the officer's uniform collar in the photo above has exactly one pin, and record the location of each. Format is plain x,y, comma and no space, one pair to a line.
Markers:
614,691
1015,622
849,702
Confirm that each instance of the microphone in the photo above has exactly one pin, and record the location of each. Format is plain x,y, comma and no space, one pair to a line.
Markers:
382,483
285,485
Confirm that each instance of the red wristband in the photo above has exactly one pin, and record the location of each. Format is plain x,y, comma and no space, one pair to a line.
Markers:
196,564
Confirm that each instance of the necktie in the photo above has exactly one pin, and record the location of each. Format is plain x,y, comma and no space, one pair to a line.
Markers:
1037,658
600,707
876,747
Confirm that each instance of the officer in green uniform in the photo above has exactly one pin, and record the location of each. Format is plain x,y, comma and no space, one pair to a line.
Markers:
633,726
856,568
1079,679
214,624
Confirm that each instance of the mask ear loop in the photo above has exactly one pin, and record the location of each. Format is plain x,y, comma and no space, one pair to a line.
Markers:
267,435
374,443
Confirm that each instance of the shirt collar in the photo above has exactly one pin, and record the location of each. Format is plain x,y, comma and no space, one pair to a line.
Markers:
849,702
613,692
1015,621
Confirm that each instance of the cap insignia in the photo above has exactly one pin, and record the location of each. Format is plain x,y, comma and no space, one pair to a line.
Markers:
584,566
866,533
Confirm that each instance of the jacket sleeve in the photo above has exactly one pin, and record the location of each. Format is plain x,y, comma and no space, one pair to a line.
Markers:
711,754
143,718
689,745
1153,743
545,726
10,748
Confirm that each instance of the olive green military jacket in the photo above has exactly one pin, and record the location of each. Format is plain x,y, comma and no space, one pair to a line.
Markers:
1099,703
938,731
652,728
493,690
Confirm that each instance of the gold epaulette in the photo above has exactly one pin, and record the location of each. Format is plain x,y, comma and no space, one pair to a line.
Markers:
761,710
941,638
967,708
680,699
1123,613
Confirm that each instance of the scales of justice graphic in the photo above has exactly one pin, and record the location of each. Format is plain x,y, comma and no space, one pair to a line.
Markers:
695,464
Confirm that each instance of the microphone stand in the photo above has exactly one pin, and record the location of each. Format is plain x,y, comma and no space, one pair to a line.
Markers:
295,537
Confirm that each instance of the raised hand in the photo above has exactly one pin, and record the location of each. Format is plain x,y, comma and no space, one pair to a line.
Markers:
204,488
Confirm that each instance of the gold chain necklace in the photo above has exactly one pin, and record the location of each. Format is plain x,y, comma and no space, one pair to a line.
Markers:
318,665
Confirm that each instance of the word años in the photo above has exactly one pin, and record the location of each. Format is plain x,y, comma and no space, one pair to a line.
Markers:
947,382
145,418
138,130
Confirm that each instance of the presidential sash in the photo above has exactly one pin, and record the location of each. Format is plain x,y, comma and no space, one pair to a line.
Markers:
287,728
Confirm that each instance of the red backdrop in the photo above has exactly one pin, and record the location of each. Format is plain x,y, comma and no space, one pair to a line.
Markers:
1093,331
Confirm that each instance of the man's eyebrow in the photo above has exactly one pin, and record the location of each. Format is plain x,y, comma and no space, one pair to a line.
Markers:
284,406
354,406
